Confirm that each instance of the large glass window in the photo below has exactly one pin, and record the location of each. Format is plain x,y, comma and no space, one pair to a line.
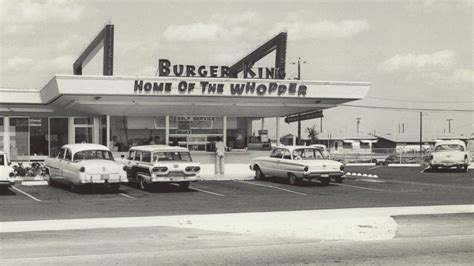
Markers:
1,134
38,136
58,134
83,130
19,138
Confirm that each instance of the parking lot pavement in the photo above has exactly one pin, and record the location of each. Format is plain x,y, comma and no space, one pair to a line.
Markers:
393,187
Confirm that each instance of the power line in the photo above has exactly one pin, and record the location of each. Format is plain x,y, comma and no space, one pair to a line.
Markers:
415,101
408,109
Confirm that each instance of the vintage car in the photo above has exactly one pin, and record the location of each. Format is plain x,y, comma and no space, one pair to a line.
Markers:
6,172
79,165
151,164
296,163
448,154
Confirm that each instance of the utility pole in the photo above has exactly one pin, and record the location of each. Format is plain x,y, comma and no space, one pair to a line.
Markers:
321,130
421,133
358,122
299,78
449,124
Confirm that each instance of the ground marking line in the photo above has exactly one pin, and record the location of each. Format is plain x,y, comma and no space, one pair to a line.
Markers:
279,188
127,196
426,184
375,167
344,185
208,192
26,194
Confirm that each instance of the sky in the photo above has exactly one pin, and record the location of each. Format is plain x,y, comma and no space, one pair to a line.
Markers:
417,53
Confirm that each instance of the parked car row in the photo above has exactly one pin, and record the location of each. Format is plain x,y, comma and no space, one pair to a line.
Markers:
81,165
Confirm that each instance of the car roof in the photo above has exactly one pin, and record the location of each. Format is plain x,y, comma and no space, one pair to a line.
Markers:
291,148
85,146
454,141
152,148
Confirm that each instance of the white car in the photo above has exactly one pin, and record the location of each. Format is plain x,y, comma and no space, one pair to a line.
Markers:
6,172
448,154
79,165
296,163
150,164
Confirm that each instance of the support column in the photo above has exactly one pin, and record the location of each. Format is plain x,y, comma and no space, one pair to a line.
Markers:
71,132
95,130
167,130
263,123
224,130
107,130
277,127
6,136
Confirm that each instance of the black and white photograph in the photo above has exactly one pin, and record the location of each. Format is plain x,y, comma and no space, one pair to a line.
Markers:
236,132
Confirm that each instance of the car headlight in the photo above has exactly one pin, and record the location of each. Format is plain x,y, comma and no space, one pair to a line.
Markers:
306,169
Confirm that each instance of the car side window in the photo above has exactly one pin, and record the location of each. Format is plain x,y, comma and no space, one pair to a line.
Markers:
277,153
68,155
287,155
138,154
146,157
131,155
61,154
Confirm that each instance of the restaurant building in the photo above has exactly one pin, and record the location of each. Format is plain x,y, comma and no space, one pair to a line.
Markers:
190,106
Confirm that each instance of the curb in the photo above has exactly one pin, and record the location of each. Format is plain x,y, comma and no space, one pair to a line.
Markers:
361,175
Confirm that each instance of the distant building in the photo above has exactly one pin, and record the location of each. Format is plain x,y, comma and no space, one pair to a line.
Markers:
348,144
407,143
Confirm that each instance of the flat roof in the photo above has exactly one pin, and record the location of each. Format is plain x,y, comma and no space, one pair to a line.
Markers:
159,96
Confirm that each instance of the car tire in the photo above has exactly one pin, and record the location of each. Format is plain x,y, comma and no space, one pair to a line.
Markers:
258,173
293,180
114,187
184,185
143,185
339,179
434,168
325,181
52,183
465,168
73,187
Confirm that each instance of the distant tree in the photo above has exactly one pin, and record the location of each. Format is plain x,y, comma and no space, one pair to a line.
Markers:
312,134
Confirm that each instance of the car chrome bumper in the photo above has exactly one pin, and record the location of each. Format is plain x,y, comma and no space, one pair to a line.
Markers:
164,179
6,183
324,175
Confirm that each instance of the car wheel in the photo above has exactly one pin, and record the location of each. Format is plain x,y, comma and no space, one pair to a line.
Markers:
293,180
434,168
258,174
338,179
73,187
115,187
143,184
184,185
325,181
465,168
51,182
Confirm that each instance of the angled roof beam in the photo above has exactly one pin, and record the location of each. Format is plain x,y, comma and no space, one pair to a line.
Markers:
277,43
104,39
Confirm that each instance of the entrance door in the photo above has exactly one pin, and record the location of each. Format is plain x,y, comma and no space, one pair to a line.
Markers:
19,139
58,134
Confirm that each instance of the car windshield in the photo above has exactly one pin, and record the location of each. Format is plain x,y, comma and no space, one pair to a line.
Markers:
171,156
307,154
2,160
449,147
93,155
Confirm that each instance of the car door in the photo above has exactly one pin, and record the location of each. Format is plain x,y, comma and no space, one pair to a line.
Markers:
54,166
130,163
70,173
283,165
269,165
135,165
